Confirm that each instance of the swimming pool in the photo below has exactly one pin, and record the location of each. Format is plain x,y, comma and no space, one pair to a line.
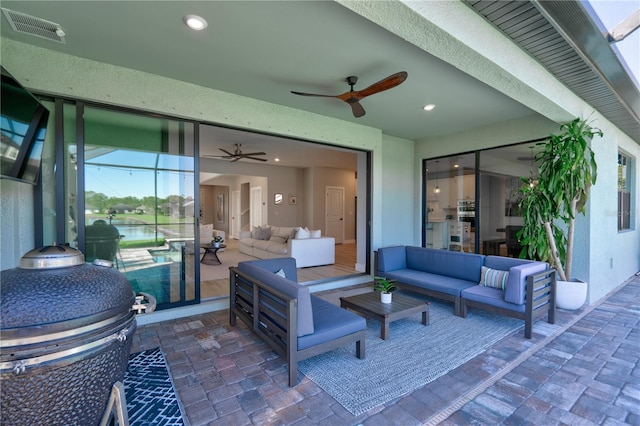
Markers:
165,255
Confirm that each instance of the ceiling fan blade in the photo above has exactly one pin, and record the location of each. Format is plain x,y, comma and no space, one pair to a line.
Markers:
358,110
313,94
255,158
226,152
382,85
245,154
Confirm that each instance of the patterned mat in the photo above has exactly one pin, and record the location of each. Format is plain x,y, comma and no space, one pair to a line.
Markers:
151,399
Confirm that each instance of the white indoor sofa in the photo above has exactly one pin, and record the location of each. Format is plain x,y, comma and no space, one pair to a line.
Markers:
308,248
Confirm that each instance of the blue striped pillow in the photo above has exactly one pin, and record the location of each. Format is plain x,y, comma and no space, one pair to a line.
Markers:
494,278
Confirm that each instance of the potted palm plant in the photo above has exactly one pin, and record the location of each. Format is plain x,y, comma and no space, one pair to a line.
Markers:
385,287
567,169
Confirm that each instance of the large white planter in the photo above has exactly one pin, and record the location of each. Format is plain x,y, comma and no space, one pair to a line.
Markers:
385,297
571,295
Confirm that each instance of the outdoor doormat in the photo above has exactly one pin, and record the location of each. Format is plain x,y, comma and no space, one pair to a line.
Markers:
413,356
151,398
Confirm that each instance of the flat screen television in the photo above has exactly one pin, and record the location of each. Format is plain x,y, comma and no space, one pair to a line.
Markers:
24,125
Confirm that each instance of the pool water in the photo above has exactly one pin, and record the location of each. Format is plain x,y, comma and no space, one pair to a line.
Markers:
164,256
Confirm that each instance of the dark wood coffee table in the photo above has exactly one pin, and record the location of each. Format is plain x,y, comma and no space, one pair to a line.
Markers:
210,256
369,306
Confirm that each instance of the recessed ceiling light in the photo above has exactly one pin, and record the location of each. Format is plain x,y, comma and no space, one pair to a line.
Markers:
277,159
195,22
429,107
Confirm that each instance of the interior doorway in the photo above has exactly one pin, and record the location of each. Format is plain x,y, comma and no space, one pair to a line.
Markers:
235,214
334,212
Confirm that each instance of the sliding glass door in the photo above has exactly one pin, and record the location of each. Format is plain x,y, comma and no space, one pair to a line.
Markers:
472,200
450,220
139,201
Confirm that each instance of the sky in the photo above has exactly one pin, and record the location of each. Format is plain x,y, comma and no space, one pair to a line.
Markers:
611,13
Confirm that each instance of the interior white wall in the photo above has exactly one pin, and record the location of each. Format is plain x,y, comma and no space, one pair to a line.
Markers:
308,211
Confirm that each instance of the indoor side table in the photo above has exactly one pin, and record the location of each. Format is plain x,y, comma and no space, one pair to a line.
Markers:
369,306
210,256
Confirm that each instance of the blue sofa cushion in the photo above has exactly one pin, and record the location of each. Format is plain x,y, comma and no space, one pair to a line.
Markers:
464,266
434,282
495,278
516,290
391,259
490,296
505,263
519,269
330,322
285,285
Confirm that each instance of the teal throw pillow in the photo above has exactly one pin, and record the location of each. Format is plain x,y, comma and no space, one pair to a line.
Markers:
495,278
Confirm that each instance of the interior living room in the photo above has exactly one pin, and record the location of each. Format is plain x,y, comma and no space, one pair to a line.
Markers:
135,137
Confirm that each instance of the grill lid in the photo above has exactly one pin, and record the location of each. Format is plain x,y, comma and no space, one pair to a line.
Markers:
50,257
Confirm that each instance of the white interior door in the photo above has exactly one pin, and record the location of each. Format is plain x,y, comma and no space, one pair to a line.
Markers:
334,212
235,214
256,206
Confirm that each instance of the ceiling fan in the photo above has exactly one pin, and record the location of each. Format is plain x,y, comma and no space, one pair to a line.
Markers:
238,155
353,97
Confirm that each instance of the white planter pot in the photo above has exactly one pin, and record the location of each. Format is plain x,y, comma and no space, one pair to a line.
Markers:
571,295
385,297
216,245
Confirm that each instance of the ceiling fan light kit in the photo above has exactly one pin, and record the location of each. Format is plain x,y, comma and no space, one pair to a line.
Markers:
353,97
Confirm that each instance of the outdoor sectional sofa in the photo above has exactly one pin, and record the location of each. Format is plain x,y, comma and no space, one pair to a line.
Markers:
297,325
514,287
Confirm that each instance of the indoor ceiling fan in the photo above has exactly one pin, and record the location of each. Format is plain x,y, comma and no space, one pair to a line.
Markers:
353,97
238,155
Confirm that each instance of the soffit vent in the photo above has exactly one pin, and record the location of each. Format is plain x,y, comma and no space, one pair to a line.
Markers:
31,25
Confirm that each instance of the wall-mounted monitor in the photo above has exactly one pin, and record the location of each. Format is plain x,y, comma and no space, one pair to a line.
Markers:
24,121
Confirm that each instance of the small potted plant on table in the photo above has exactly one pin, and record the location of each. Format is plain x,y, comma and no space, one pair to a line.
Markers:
217,240
385,287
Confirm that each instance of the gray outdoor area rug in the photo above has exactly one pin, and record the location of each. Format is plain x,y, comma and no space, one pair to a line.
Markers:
413,356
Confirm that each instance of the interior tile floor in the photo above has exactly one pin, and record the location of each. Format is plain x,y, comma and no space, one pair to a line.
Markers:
585,372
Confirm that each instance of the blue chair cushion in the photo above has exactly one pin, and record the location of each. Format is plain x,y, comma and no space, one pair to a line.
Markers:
330,322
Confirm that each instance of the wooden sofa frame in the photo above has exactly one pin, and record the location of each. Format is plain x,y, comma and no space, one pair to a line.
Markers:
272,315
540,300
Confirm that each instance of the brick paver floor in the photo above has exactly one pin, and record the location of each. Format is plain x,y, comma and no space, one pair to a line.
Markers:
584,370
